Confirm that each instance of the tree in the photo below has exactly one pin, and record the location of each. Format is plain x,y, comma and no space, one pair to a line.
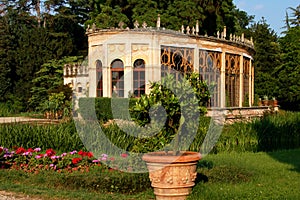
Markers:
213,15
25,45
289,72
266,59
49,81
242,22
295,20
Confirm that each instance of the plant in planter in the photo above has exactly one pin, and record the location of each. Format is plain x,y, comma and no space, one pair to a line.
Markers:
274,102
172,169
266,100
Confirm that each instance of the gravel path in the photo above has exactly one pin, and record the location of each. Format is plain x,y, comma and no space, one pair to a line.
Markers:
4,195
4,120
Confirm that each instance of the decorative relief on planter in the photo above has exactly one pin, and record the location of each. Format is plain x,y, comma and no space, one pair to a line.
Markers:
181,174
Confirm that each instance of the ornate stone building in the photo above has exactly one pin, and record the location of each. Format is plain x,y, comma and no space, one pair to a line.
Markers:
121,62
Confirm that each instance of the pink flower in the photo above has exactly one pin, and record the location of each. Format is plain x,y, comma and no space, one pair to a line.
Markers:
37,149
54,157
63,154
104,158
73,152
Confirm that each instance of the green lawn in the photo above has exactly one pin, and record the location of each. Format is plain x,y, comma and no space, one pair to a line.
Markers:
273,175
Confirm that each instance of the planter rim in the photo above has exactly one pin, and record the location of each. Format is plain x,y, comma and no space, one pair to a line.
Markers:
163,157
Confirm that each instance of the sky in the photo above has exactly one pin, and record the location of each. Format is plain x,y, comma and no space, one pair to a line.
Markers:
272,10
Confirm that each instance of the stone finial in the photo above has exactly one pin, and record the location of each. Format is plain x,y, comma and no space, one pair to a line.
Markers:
193,31
197,27
182,29
188,30
88,28
224,31
93,27
243,37
121,24
136,24
218,34
158,21
230,37
144,25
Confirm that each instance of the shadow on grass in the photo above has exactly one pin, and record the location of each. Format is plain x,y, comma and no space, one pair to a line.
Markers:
277,133
291,157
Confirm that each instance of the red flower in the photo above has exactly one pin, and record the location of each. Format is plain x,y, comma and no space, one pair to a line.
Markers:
124,155
50,152
76,160
20,150
1,149
82,153
90,154
30,150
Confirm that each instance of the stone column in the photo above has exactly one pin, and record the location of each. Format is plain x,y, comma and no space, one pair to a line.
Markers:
252,80
153,71
223,81
128,80
92,71
196,59
106,76
241,86
250,84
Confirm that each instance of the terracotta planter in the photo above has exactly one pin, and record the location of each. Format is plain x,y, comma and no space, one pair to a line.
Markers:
274,103
265,102
172,177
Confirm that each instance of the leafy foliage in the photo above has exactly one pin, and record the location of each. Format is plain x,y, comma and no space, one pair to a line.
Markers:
26,45
49,80
266,59
288,72
179,102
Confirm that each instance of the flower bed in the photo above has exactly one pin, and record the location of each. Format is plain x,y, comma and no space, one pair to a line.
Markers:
34,160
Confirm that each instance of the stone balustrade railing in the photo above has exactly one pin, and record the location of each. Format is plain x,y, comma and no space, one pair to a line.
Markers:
76,69
190,31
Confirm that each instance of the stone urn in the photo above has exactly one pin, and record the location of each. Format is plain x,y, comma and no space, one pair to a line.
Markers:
172,176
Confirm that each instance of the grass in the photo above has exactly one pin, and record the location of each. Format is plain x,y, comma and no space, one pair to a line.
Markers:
274,175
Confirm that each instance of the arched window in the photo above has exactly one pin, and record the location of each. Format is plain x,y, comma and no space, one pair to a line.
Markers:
139,77
79,88
209,69
232,78
117,78
176,59
99,78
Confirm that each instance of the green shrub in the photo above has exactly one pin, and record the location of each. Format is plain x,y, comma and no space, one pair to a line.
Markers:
102,108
